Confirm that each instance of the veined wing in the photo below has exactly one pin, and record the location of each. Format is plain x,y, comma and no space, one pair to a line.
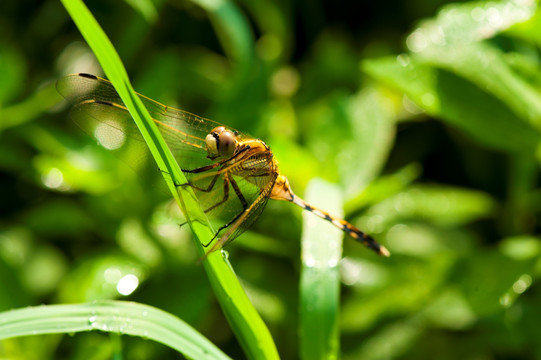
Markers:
99,110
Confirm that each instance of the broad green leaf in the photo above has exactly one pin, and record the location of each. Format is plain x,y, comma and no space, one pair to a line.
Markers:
456,101
485,66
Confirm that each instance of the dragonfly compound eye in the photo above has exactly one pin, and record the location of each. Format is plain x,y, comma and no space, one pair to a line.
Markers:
220,143
227,143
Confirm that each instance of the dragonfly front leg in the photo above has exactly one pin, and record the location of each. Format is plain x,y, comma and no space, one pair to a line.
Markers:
208,188
203,168
216,164
216,175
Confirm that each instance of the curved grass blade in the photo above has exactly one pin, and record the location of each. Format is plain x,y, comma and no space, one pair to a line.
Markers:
117,317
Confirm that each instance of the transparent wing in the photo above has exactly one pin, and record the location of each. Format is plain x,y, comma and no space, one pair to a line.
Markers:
98,105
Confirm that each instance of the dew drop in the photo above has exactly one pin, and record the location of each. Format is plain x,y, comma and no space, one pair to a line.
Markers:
92,321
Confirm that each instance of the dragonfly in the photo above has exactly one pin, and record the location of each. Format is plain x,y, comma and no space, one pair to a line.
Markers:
233,175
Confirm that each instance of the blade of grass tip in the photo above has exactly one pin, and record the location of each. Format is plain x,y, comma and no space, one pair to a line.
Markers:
115,317
320,278
248,326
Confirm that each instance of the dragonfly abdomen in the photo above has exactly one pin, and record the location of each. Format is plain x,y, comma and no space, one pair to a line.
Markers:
345,226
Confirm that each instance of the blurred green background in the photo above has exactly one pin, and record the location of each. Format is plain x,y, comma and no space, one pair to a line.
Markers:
427,115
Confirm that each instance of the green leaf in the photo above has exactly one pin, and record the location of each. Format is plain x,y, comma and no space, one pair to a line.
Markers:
485,66
110,316
457,102
521,247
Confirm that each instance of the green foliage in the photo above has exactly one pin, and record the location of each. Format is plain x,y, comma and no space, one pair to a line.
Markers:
428,131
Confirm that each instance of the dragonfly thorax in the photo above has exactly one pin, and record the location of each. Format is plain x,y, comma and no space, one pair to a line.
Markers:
221,142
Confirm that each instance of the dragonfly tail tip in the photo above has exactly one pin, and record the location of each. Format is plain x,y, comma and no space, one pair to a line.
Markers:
383,251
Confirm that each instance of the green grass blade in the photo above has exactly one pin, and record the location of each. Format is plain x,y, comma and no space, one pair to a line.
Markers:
248,326
116,317
320,277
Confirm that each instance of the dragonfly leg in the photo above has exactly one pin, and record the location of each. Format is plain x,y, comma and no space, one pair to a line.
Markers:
226,195
203,168
208,188
216,164
225,226
239,194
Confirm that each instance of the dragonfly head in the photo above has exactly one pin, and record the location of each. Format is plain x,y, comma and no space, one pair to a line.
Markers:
221,142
